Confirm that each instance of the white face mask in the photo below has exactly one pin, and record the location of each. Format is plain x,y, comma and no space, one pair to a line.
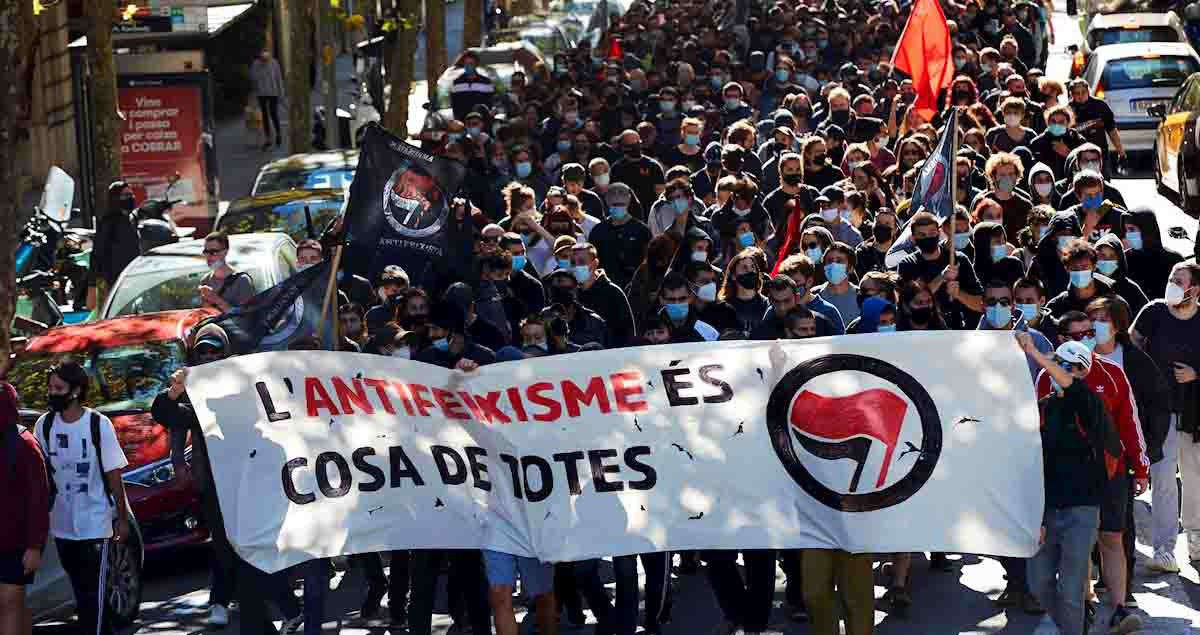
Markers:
601,179
1175,295
1043,189
402,353
707,292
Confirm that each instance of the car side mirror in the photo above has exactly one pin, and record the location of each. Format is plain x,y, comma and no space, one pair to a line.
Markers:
1158,111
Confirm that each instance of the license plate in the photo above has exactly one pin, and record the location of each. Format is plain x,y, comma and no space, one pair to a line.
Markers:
1142,105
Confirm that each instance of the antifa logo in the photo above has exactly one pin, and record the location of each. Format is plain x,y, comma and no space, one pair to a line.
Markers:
413,203
931,186
828,429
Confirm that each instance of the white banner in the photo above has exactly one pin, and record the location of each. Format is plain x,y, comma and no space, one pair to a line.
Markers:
868,443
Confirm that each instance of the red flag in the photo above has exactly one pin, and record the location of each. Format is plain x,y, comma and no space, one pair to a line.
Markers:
876,413
924,53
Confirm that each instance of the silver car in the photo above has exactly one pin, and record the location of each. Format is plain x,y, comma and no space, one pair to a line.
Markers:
1131,78
166,277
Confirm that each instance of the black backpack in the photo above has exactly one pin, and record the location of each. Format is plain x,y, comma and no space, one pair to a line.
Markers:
47,422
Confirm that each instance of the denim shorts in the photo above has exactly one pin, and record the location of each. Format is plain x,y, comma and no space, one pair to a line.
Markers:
537,577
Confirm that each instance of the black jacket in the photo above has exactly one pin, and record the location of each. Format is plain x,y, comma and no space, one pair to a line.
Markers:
1152,394
589,328
116,244
1129,290
179,418
609,302
1151,265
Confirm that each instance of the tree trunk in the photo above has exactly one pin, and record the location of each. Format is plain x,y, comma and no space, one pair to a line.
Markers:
472,23
17,29
105,121
301,16
435,44
404,53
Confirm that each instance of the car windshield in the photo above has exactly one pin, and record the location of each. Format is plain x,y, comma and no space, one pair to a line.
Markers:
123,378
293,179
288,218
165,283
1102,37
1147,72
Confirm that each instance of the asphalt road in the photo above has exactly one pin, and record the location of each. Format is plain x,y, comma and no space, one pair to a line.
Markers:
175,598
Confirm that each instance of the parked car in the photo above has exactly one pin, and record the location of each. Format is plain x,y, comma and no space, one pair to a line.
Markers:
282,212
572,26
498,62
51,593
166,278
1131,78
129,360
1126,28
316,170
1177,146
549,39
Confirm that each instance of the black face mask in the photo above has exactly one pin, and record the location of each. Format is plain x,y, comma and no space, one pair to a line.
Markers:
58,403
922,315
748,280
882,233
563,295
840,117
928,244
633,152
818,159
793,179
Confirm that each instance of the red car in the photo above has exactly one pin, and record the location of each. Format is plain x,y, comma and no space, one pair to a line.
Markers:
130,360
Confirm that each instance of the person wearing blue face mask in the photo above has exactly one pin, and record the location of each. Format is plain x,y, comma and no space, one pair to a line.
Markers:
600,294
989,242
222,287
733,109
1048,263
673,213
668,120
838,263
1112,265
675,298
620,239
1060,138
685,149
1149,261
1080,260
1097,215
471,89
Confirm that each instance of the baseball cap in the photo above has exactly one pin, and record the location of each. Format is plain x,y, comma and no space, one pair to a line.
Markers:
446,315
712,153
833,193
393,273
1075,353
563,242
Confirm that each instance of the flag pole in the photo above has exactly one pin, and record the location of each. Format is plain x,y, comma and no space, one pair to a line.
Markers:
330,294
953,185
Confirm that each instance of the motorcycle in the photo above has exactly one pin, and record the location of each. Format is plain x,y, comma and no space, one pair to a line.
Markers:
155,225
52,259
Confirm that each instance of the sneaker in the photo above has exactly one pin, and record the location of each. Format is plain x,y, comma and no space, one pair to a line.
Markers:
218,615
1123,622
292,626
1030,604
1130,601
1163,563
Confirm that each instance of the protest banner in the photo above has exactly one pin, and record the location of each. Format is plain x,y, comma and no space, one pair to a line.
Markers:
863,443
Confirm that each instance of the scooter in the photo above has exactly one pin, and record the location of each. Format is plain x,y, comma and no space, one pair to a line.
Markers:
155,225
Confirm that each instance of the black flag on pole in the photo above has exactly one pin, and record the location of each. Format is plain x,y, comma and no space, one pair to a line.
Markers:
399,206
274,318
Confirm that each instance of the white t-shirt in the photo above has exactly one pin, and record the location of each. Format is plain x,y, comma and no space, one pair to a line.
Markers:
81,510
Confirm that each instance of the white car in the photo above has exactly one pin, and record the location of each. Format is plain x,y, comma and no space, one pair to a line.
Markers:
1126,28
1131,78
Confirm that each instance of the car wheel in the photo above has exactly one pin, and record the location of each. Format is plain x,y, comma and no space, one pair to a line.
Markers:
123,590
1187,187
1158,180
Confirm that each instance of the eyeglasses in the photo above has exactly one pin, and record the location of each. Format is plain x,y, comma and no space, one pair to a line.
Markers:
995,301
214,252
811,245
1068,366
1079,335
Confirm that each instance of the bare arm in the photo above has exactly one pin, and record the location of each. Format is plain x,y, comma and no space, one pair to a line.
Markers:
1056,372
117,487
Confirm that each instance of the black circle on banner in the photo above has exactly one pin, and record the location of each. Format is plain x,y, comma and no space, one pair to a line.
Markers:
931,426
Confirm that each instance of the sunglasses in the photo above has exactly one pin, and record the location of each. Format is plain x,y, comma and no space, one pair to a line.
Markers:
213,252
1079,335
1068,366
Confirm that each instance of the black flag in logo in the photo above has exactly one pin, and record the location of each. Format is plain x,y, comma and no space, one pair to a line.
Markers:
272,319
399,207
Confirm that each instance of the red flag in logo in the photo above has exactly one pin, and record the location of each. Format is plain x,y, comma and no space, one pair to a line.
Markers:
924,53
876,414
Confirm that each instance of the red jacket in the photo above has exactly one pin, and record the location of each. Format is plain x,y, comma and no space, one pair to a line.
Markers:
1109,382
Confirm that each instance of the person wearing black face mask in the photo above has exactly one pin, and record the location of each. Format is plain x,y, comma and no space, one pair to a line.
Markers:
869,255
562,299
116,243
641,173
957,289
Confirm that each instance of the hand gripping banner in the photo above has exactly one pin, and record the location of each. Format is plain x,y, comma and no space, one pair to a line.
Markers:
867,443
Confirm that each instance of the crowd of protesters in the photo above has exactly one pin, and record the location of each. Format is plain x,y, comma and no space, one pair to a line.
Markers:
693,180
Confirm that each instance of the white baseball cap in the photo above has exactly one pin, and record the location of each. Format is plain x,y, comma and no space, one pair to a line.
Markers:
1075,353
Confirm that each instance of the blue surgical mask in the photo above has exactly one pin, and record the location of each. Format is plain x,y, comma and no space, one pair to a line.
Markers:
518,263
1081,279
442,344
582,273
680,204
1093,202
1028,311
474,131
563,145
563,263
618,211
961,241
732,103
1042,232
1056,129
815,254
691,139
666,106
468,69
998,316
999,252
1089,342
835,272
454,136
523,169
746,239
886,328
1107,267
677,311
782,74
1135,239
716,81
1063,241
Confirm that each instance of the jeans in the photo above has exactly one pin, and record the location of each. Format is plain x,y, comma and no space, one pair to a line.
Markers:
747,604
269,105
1164,494
84,563
466,568
224,560
1058,573
850,573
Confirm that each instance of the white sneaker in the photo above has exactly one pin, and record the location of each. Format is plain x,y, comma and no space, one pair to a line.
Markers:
1163,563
218,615
292,626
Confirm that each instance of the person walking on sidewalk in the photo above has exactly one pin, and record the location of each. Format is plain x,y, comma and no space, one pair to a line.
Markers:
90,509
268,86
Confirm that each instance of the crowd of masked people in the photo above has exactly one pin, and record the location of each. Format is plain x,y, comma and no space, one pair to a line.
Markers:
692,181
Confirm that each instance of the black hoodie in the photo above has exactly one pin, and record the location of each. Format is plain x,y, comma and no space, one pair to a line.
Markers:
610,303
1151,265
1129,290
1047,265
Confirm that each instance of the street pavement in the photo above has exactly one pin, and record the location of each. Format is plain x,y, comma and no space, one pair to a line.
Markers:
960,601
